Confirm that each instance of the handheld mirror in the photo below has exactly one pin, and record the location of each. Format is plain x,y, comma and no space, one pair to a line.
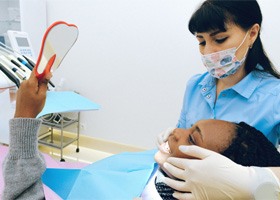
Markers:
57,41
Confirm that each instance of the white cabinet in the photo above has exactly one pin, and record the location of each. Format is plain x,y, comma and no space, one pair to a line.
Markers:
9,17
20,15
24,15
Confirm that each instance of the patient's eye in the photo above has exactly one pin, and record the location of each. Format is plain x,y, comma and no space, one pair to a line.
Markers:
191,139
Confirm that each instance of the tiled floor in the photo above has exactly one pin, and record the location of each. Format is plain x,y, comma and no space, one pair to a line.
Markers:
85,155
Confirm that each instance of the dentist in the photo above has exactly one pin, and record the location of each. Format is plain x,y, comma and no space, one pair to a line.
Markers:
240,84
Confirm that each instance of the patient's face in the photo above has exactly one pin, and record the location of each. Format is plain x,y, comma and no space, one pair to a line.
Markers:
215,135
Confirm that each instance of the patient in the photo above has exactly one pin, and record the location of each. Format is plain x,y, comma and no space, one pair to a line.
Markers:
240,142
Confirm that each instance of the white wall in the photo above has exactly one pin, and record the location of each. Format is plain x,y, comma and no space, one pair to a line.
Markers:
271,29
34,26
134,58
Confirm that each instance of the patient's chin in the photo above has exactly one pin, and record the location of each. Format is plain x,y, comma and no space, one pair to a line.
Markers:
161,157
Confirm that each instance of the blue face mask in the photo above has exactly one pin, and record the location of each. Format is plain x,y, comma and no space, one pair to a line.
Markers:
223,63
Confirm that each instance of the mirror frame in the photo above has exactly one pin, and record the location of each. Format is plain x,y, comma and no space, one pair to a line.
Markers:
51,60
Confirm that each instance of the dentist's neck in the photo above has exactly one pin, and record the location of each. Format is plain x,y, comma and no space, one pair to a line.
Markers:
230,81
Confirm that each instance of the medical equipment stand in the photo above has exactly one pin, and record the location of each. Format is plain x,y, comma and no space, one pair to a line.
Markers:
48,139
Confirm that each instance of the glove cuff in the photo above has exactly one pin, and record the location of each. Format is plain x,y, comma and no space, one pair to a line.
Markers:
267,184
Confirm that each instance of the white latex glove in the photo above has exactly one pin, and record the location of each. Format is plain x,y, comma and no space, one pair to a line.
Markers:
162,137
217,177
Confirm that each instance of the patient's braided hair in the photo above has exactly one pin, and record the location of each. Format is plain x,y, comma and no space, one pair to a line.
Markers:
251,148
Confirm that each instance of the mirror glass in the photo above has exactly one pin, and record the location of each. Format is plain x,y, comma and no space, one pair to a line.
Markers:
57,41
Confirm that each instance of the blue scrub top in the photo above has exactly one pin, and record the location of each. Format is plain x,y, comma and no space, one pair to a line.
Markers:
254,100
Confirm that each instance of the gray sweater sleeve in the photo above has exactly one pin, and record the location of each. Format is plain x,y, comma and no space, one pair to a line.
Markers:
24,165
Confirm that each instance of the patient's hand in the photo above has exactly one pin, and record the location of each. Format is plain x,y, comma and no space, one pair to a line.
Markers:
31,96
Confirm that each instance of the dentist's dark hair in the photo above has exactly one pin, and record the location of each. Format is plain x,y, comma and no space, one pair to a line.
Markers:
215,14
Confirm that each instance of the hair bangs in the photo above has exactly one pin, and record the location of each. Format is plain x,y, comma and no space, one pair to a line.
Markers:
208,18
